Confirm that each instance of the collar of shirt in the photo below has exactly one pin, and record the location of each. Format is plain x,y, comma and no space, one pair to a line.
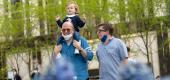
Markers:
70,15
110,39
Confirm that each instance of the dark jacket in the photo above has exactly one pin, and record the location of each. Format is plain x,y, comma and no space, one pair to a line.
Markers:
77,22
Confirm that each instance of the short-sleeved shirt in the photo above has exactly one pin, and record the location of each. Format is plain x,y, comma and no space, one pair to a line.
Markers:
110,56
79,62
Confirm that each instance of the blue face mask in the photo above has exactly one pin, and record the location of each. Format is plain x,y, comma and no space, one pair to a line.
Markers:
104,38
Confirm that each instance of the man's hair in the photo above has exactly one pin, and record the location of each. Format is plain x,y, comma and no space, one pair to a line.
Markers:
106,27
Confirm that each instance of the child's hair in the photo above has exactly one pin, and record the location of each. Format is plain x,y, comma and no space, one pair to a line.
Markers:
75,5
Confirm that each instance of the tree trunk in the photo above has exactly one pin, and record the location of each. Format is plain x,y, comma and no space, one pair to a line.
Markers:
27,16
163,43
41,19
163,50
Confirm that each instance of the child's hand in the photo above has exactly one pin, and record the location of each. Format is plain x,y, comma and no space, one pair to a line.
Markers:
77,44
57,18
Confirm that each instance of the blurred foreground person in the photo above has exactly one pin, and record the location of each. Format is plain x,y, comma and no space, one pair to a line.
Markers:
136,71
165,78
60,70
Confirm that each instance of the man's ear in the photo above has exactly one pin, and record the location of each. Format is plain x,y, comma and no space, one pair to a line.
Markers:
73,31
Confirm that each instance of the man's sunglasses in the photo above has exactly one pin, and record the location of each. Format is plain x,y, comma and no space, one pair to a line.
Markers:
64,30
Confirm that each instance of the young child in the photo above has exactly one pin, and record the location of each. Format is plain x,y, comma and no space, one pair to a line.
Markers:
72,15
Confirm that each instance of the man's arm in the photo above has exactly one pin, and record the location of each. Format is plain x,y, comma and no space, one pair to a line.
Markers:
57,50
123,52
125,61
83,52
84,49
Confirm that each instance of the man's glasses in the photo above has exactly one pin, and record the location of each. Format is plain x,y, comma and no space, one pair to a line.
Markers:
64,30
101,30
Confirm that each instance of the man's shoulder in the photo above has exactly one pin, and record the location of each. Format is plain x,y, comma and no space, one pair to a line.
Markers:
118,40
83,38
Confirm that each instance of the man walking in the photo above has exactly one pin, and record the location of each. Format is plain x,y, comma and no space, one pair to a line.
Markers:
110,52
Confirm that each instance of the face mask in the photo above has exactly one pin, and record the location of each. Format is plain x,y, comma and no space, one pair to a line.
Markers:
104,38
67,37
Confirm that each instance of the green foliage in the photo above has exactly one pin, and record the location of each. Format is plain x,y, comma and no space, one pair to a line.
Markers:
3,73
20,16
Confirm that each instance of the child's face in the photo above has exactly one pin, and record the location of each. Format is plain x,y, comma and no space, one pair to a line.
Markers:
71,10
